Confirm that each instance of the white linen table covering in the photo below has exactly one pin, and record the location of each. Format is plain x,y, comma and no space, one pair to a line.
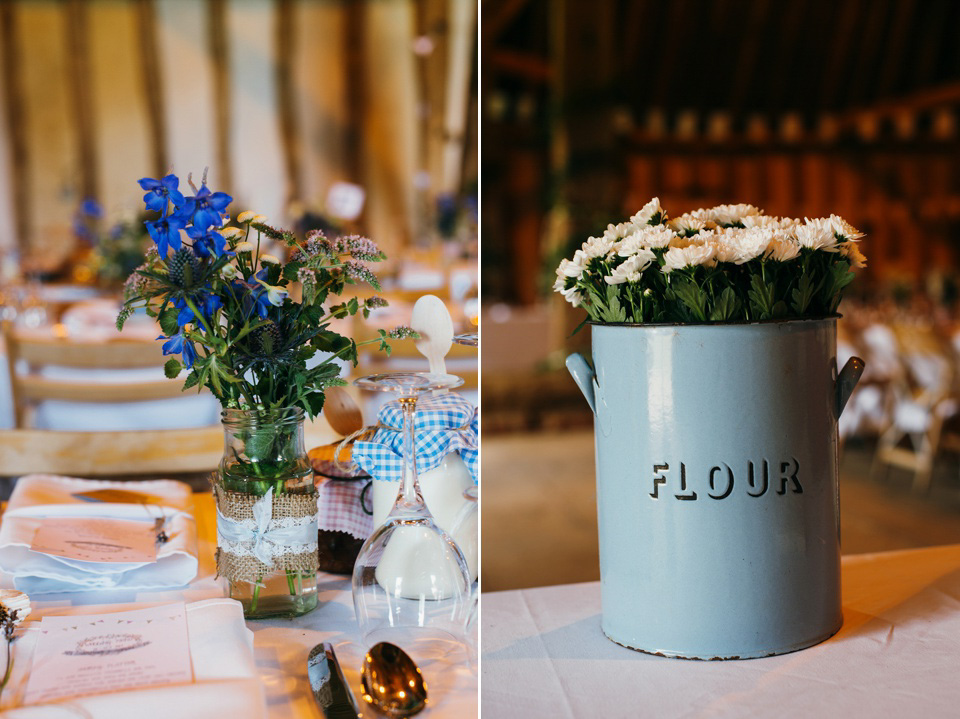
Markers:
225,676
281,646
897,655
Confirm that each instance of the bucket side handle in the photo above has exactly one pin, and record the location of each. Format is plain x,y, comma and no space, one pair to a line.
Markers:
847,380
585,377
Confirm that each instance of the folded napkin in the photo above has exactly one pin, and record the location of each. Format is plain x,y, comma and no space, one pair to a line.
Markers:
225,676
38,496
443,423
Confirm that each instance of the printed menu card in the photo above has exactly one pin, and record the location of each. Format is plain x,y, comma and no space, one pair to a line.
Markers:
96,539
95,654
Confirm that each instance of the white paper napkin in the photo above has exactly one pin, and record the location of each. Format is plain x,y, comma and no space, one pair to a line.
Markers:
226,683
37,497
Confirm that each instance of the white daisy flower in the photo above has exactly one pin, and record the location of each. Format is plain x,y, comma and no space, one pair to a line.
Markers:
729,214
597,247
648,213
676,258
782,249
632,269
749,244
817,234
574,268
655,237
269,260
613,233
852,252
246,216
788,224
843,229
687,223
724,252
244,247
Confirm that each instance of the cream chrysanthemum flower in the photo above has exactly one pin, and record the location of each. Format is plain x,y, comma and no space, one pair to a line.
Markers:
631,269
676,258
613,233
843,229
782,249
597,247
650,214
653,238
729,214
246,216
851,250
817,234
269,260
244,247
687,224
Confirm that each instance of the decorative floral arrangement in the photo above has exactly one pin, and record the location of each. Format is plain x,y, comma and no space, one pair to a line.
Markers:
226,308
14,608
730,263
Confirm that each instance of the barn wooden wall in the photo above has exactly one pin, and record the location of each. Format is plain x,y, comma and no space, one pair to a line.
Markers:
280,98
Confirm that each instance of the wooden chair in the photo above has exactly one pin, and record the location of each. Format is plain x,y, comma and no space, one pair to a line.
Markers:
162,452
32,387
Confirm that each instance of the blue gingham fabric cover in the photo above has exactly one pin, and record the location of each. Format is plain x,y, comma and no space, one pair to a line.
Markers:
444,423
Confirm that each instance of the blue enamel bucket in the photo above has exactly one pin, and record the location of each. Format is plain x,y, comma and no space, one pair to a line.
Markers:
718,503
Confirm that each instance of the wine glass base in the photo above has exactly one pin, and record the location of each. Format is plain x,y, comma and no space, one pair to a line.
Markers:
425,645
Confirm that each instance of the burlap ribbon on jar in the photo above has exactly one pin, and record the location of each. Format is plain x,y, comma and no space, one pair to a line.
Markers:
259,536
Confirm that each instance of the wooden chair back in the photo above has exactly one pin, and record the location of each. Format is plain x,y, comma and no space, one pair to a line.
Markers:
31,387
105,454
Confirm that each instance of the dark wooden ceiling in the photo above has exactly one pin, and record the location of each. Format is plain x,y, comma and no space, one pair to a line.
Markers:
738,56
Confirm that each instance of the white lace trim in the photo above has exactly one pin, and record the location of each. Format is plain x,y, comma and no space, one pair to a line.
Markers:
245,549
282,523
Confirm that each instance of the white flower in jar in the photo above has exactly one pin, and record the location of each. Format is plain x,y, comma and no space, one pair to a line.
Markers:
631,269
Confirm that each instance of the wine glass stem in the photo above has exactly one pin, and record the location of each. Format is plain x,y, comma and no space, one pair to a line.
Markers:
410,496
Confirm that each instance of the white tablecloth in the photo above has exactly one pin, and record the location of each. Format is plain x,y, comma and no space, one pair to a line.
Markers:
897,655
281,646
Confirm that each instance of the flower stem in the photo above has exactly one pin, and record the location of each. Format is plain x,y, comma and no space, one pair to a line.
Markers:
6,675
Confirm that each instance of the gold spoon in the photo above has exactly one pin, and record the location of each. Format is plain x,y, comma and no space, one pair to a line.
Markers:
392,682
342,411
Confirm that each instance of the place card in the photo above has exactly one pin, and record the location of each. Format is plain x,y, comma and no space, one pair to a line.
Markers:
81,655
97,539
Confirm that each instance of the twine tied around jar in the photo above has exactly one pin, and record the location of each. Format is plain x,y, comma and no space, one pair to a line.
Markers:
258,536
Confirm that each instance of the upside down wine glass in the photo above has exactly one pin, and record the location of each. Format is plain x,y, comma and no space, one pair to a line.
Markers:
411,584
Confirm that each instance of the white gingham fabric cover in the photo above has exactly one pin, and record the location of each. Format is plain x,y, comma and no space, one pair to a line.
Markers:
339,507
444,423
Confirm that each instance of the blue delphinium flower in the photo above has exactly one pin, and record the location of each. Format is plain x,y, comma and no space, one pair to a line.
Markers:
158,191
165,232
91,208
207,242
205,208
178,344
208,304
